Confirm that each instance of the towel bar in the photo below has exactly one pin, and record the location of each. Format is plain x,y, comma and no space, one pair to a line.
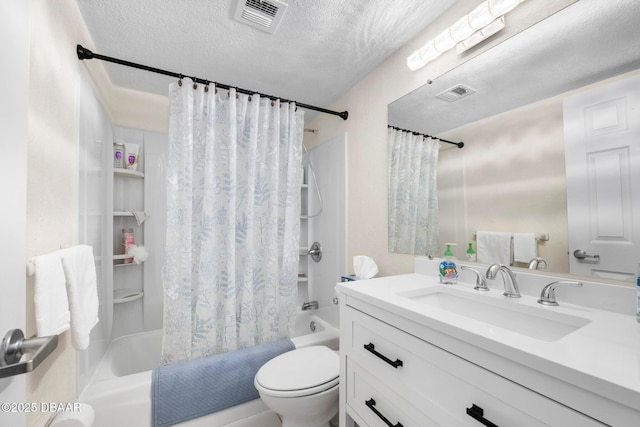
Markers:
14,346
544,237
31,265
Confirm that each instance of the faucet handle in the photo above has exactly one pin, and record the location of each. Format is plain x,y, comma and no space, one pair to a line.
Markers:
481,283
548,294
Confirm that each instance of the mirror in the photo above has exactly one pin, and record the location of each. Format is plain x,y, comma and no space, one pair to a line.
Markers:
510,176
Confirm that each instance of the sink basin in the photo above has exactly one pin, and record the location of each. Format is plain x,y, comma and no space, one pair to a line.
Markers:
539,323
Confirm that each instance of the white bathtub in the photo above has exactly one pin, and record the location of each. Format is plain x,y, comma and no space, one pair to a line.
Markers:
120,390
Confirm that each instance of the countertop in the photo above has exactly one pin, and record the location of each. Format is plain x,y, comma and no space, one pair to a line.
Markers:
603,356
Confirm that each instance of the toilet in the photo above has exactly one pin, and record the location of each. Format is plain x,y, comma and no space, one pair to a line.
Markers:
301,386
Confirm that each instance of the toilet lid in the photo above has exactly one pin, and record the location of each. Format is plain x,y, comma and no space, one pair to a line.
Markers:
316,367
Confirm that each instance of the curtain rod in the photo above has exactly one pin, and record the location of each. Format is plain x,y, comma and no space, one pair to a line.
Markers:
84,53
459,144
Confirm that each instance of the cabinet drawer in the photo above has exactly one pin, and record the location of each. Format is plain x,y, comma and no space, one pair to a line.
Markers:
428,375
372,401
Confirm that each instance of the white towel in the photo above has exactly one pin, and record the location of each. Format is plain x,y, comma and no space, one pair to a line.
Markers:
494,247
50,295
141,216
525,247
82,289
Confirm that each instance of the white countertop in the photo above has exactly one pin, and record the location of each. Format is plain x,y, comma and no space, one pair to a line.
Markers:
602,356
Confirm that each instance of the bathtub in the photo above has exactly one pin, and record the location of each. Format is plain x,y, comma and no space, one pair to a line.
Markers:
120,390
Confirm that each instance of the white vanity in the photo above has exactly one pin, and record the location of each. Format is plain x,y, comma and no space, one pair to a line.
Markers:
418,353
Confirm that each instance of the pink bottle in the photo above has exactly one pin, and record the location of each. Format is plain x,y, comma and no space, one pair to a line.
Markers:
127,241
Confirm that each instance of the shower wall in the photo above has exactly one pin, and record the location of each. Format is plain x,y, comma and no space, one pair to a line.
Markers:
329,161
94,171
97,225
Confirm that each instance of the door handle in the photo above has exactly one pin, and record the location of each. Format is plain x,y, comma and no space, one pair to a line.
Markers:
15,345
580,254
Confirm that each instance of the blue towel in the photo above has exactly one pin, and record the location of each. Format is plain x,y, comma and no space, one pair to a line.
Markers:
192,389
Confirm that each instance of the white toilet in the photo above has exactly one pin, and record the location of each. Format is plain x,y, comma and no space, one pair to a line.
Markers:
301,386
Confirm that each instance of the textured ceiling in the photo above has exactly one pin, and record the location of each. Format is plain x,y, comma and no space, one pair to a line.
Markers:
586,42
319,51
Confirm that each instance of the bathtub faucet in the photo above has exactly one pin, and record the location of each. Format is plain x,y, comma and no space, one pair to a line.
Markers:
310,305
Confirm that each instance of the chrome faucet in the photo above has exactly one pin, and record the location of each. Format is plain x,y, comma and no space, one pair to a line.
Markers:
538,263
508,278
310,305
481,283
548,295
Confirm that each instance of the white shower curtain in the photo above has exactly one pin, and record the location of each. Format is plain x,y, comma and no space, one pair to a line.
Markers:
233,221
413,193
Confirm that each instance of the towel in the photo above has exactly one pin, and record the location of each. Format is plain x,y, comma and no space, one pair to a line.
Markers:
187,390
141,216
82,290
50,295
525,247
494,247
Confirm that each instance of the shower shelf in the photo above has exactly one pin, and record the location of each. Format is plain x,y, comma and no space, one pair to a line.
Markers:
126,295
122,213
122,257
127,172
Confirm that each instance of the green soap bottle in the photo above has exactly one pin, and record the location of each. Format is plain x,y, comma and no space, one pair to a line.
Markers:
447,268
471,254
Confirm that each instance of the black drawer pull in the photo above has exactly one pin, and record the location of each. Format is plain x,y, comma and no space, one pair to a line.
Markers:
477,413
371,348
371,403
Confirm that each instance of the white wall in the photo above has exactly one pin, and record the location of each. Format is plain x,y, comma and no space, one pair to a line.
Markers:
14,51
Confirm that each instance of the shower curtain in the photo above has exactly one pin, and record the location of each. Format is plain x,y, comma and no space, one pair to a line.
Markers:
413,193
233,221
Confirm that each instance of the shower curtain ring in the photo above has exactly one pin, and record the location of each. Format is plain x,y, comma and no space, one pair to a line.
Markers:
195,85
180,80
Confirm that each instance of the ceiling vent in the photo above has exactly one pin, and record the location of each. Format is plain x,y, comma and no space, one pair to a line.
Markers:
455,93
264,15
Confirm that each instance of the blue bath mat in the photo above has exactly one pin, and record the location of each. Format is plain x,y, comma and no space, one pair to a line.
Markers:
192,389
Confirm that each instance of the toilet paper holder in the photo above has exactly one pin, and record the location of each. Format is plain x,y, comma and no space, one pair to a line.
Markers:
14,346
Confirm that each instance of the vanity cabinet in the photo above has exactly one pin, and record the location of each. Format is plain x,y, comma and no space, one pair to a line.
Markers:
390,377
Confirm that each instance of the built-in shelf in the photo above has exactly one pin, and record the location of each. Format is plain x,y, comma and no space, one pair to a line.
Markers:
122,257
126,295
127,172
122,213
303,279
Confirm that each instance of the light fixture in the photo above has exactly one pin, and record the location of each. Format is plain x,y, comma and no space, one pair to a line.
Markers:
483,34
482,22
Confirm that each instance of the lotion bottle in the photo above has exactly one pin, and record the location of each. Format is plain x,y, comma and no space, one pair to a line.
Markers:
447,268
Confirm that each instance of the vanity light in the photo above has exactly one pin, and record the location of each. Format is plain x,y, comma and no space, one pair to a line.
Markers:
481,35
481,23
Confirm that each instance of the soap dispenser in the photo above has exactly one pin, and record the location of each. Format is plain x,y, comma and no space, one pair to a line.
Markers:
471,254
448,269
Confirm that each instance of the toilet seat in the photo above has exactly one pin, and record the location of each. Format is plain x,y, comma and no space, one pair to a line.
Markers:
300,372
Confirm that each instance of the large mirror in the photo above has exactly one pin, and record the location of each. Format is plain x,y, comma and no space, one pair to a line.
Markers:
511,174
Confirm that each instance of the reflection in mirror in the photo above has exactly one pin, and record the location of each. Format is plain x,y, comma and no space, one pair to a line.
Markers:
510,177
413,206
